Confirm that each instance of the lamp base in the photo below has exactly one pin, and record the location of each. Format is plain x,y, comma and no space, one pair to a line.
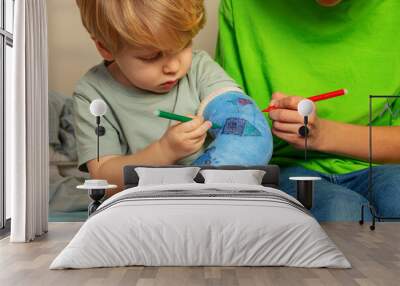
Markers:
96,195
96,190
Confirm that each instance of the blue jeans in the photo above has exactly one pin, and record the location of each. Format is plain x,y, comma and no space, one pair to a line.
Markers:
339,197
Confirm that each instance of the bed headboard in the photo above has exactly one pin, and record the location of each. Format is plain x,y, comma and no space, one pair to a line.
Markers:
270,179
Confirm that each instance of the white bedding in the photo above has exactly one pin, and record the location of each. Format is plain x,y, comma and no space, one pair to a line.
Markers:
218,226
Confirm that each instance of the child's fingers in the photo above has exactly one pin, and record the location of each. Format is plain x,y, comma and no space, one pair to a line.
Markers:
175,123
192,124
200,131
198,141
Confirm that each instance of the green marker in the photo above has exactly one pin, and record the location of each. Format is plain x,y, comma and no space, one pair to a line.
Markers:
177,117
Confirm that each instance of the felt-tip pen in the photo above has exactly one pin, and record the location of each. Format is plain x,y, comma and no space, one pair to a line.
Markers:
177,117
315,98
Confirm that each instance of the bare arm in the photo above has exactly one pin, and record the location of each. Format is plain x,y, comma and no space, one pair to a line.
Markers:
334,137
179,141
353,141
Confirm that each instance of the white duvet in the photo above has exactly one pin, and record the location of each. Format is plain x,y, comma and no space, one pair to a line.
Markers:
201,224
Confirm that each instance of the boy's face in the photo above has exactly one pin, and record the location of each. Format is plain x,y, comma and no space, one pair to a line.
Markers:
150,70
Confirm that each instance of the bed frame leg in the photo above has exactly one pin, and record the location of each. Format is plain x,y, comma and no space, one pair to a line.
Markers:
361,221
96,195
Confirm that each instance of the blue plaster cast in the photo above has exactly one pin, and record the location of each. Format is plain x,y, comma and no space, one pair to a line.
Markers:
244,137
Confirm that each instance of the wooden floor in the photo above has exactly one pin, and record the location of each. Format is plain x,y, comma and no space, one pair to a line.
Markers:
375,257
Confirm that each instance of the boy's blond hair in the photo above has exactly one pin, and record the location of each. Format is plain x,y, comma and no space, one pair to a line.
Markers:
156,24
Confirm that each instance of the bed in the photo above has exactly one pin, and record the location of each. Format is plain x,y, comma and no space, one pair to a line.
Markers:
201,224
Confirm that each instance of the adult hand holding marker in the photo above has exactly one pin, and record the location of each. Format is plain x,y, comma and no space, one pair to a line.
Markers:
315,98
288,121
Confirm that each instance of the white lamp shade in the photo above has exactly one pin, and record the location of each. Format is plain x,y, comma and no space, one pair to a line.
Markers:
305,107
98,107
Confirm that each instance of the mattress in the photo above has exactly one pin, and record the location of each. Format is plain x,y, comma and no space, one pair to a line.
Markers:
201,225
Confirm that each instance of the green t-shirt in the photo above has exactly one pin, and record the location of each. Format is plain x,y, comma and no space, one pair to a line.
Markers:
301,48
129,122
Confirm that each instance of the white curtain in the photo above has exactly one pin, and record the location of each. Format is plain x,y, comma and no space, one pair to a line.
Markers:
27,123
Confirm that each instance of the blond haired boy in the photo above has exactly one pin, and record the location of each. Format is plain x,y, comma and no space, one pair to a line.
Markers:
148,64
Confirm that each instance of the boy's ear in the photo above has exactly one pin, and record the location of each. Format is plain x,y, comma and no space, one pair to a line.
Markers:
104,52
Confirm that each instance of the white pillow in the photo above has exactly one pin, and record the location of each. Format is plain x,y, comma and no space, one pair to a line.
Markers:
165,176
248,177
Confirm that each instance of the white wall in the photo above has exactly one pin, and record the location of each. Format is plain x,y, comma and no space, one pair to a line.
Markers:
71,52
207,38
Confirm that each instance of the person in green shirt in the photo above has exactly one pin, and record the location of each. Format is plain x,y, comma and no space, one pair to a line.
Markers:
282,51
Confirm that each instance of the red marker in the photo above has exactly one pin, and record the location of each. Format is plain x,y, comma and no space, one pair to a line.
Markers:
315,98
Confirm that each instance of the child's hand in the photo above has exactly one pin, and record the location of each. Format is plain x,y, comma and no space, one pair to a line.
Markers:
286,122
184,139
